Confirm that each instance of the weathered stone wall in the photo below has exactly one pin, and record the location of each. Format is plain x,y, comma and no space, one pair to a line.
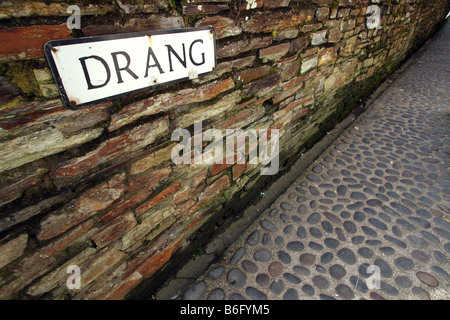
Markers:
96,187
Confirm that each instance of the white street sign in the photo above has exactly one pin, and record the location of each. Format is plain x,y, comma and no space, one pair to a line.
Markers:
95,69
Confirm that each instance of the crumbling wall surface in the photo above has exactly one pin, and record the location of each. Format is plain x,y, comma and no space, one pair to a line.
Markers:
96,187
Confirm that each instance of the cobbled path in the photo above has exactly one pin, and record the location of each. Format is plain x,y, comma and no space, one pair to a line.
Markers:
377,200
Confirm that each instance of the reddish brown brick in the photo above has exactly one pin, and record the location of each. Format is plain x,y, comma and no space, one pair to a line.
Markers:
28,42
114,229
114,148
252,74
214,190
150,179
88,204
158,198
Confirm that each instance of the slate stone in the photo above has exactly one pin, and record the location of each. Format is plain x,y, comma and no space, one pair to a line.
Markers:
440,256
441,272
266,239
279,241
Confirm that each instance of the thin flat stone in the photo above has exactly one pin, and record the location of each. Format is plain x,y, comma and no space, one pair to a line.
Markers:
440,272
331,243
315,246
378,224
313,218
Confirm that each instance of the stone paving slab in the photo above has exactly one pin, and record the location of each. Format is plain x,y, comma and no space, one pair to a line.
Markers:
378,196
